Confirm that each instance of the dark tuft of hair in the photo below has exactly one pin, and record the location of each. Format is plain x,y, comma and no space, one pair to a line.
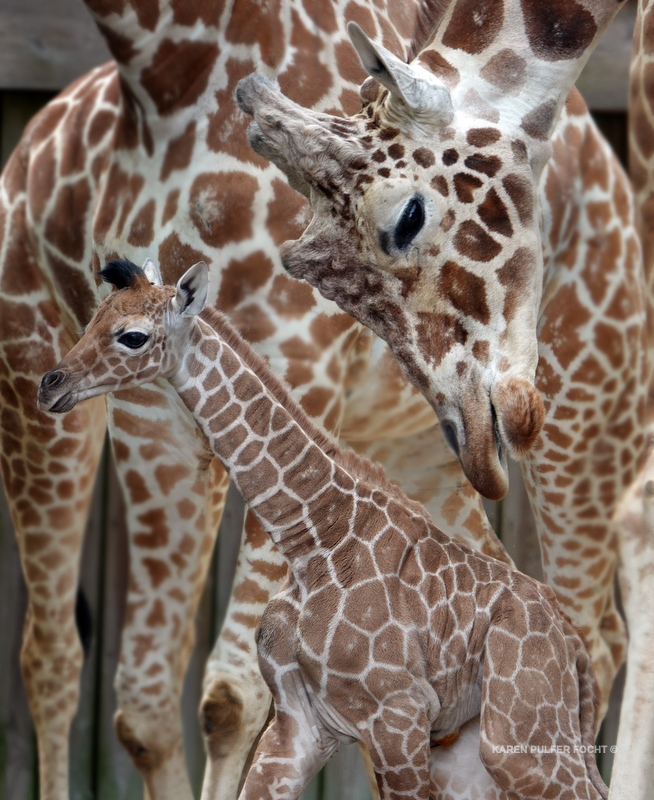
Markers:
121,272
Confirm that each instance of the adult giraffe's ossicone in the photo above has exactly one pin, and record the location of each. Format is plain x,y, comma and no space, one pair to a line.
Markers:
426,220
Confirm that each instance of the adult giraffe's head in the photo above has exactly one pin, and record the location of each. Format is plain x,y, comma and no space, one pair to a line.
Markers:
426,222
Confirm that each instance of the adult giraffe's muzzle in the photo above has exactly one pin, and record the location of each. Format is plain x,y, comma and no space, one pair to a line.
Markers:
484,428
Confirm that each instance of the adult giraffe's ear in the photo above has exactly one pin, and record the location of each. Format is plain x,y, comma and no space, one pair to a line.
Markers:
152,272
412,88
192,290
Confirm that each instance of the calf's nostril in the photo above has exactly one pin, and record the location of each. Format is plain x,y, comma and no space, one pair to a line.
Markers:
52,379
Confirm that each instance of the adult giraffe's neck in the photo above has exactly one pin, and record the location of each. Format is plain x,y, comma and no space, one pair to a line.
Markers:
168,52
279,465
513,62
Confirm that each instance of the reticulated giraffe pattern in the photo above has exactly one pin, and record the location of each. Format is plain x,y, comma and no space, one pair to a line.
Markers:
148,157
386,631
436,225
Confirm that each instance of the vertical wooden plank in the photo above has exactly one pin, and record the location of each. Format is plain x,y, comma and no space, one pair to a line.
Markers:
116,778
82,738
345,776
517,527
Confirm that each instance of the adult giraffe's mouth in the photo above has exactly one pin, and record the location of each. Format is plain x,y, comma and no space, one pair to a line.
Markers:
484,427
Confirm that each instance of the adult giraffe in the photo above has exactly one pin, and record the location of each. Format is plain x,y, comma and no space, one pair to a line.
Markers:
150,156
633,761
429,209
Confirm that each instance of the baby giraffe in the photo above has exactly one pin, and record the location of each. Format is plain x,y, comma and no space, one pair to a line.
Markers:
386,631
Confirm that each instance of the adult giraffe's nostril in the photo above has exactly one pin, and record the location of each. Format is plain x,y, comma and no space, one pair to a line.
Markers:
53,379
449,432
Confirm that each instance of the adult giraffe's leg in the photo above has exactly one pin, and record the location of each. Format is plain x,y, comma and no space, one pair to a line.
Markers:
633,768
48,467
175,492
236,700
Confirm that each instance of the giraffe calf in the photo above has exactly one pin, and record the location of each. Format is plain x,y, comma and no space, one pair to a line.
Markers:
386,631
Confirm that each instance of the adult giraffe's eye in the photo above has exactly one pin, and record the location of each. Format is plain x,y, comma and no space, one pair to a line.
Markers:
410,224
133,339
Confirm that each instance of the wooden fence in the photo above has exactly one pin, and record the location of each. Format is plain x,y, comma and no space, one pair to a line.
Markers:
44,44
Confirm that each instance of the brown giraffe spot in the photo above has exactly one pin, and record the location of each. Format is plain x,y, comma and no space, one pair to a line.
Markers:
516,275
268,33
440,184
253,323
466,291
388,646
488,165
157,569
482,137
493,213
353,563
157,616
180,86
188,12
481,351
539,121
449,218
389,32
179,152
367,605
450,157
101,125
159,533
316,400
558,29
348,647
141,231
228,125
290,298
288,213
424,157
474,24
442,68
73,288
349,67
472,241
506,70
396,151
137,487
170,208
306,80
242,279
322,14
565,315
40,178
522,197
168,476
220,208
437,334
465,185
609,341
326,328
174,257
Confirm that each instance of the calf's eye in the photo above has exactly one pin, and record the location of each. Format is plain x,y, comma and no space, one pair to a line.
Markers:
133,339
